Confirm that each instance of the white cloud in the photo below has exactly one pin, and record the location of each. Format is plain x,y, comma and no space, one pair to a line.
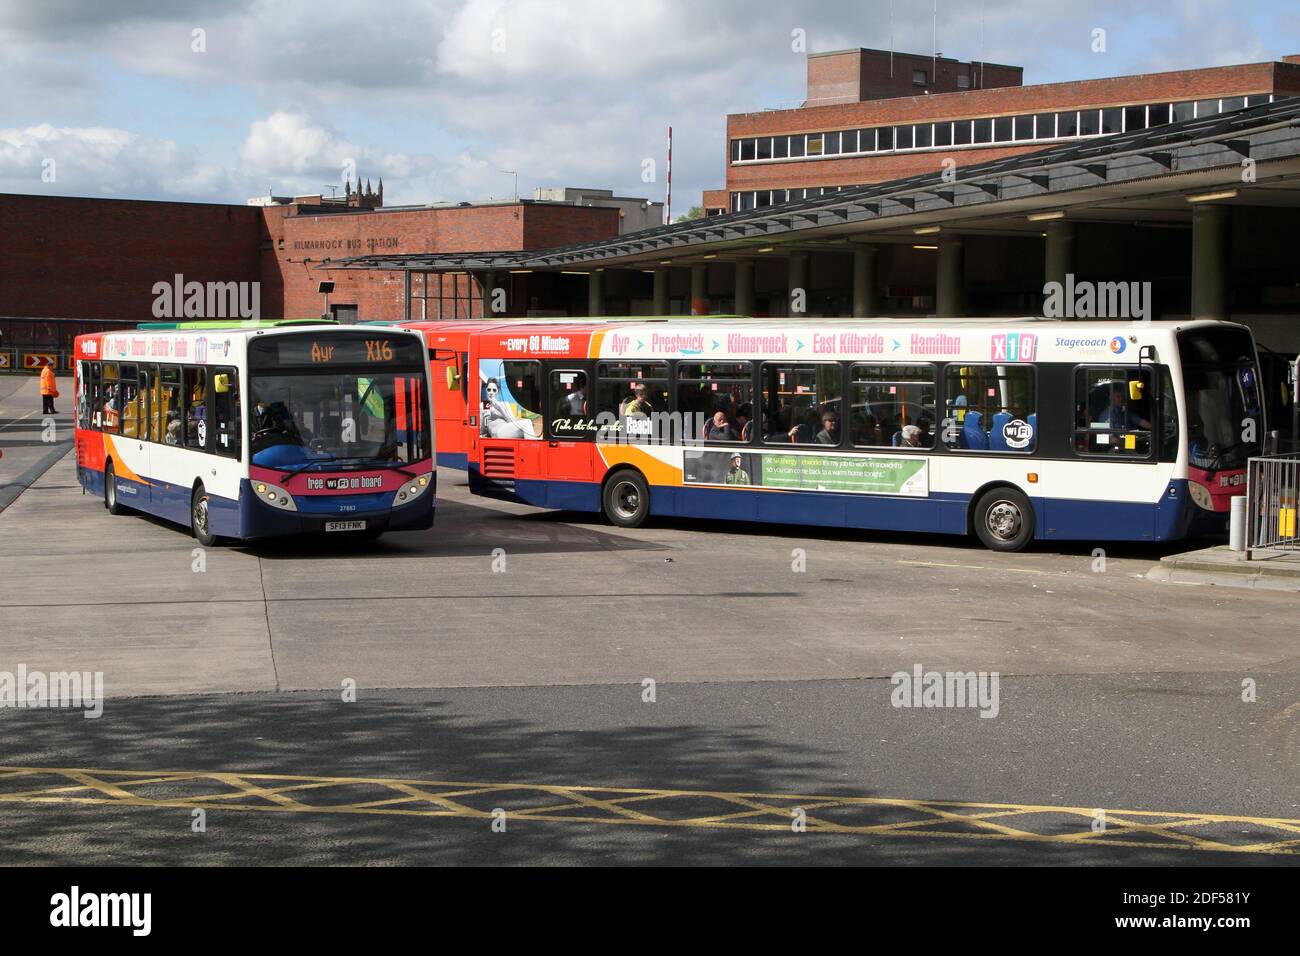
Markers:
568,92
96,160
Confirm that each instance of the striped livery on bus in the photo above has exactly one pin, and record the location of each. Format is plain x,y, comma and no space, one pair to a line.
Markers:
249,431
1011,430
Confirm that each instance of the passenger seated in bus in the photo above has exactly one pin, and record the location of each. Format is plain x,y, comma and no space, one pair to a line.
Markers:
866,431
909,436
830,433
805,433
174,432
926,427
639,405
745,421
718,428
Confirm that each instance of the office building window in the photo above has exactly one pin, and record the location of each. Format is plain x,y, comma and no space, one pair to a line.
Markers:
1045,126
1135,118
983,131
920,78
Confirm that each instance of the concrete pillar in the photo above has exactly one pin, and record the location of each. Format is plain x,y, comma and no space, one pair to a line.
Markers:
699,290
663,278
1058,260
595,293
488,283
744,287
798,285
864,282
1210,239
949,297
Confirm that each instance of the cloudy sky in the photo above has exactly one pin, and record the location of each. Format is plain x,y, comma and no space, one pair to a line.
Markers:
220,100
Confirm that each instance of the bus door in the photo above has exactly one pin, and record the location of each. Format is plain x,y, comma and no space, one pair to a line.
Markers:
506,427
133,410
570,421
452,407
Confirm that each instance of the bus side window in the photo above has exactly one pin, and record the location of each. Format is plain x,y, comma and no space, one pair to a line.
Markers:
196,408
169,405
1113,411
128,401
110,400
83,394
228,439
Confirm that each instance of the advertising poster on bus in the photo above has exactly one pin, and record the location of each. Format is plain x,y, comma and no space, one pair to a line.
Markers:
510,400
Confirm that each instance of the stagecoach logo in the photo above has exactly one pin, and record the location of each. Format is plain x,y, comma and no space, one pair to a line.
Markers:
1015,347
343,483
1018,433
1118,345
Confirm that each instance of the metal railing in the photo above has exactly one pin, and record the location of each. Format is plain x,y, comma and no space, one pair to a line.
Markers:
1272,493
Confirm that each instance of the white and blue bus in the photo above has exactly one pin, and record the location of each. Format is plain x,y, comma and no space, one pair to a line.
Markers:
1009,429
253,430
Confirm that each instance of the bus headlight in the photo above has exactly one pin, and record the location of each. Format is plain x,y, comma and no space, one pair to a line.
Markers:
275,496
412,490
1201,496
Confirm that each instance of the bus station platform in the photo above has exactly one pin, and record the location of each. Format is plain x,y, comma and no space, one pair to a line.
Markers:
1220,565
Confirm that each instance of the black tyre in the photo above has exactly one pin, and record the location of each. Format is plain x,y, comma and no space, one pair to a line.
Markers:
201,517
626,501
111,502
1004,520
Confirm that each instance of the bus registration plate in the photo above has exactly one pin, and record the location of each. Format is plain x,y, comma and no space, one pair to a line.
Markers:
345,526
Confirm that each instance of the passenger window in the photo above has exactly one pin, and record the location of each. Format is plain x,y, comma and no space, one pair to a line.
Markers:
110,407
129,401
801,405
570,404
892,406
168,406
990,408
510,399
715,400
196,408
1113,411
83,393
228,436
628,396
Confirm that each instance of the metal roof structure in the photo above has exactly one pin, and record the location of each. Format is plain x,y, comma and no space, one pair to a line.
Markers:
1160,163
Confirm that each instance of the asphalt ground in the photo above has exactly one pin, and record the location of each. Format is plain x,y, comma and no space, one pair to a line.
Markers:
521,685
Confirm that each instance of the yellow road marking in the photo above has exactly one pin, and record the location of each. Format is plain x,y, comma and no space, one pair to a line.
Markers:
287,793
972,567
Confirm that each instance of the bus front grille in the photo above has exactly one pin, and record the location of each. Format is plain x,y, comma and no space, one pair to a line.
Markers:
498,463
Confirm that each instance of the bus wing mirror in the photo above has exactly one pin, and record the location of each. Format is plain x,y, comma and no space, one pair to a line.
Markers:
221,384
453,378
1135,390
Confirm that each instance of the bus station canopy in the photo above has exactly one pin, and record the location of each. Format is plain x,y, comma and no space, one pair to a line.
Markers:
1144,176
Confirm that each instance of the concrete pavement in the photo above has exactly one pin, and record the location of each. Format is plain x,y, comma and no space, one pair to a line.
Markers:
1117,692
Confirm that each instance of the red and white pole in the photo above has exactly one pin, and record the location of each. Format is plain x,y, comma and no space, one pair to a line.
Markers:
668,206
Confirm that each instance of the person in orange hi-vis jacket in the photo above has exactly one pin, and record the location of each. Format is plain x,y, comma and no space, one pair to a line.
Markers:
49,391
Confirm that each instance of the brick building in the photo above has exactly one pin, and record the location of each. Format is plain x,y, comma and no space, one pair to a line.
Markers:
871,116
94,261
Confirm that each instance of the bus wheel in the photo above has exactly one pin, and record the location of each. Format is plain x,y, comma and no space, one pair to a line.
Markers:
110,492
1004,520
201,517
626,500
